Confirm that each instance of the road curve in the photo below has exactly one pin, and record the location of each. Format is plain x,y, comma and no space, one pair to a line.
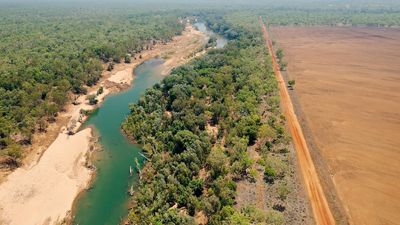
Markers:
321,211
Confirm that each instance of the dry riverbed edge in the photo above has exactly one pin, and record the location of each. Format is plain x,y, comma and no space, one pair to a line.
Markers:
55,171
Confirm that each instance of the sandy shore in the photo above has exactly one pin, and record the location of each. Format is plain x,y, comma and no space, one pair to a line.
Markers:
42,191
45,193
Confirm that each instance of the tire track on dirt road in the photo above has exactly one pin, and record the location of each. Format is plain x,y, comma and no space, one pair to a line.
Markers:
321,211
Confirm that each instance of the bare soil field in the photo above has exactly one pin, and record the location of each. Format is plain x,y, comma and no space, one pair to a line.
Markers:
317,198
348,95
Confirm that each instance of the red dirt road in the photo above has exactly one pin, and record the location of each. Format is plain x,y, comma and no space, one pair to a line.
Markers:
321,211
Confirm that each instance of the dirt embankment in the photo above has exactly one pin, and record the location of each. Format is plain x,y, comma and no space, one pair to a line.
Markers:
318,201
42,191
347,86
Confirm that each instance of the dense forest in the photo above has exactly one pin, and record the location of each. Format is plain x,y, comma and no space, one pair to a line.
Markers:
197,127
48,54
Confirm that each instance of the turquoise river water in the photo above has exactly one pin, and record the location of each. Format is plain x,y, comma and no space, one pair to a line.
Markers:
106,202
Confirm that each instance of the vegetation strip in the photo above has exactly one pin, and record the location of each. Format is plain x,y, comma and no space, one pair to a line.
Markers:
321,210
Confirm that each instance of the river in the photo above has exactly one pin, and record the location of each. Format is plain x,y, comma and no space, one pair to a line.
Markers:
106,202
221,41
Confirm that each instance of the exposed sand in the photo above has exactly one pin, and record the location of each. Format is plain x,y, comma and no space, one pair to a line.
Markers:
347,85
122,77
42,191
45,193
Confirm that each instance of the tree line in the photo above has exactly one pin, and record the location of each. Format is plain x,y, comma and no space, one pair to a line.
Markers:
309,17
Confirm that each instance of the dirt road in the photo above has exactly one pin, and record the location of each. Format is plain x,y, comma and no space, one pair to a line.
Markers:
319,204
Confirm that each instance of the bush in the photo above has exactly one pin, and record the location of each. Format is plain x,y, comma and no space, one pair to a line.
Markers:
279,54
78,89
253,174
110,66
283,191
92,99
100,91
270,174
128,58
255,214
283,66
14,151
275,218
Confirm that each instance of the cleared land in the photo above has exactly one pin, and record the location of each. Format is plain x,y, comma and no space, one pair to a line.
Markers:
348,91
321,211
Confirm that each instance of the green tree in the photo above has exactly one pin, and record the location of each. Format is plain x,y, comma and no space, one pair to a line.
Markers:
127,58
92,99
110,66
100,91
217,161
291,83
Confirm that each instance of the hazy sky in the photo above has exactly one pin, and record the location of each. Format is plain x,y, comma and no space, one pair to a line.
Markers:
271,3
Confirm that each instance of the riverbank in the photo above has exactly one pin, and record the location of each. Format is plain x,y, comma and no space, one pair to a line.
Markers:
41,166
44,193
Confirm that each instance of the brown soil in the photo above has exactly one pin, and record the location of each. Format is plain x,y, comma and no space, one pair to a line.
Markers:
347,87
318,201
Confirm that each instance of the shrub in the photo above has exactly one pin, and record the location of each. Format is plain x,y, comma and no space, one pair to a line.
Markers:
128,58
283,191
110,66
92,99
100,91
14,151
275,218
270,174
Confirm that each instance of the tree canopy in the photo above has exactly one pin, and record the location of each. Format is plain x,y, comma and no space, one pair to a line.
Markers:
46,54
196,126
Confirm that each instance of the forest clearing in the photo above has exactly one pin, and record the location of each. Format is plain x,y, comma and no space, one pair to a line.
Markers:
347,96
